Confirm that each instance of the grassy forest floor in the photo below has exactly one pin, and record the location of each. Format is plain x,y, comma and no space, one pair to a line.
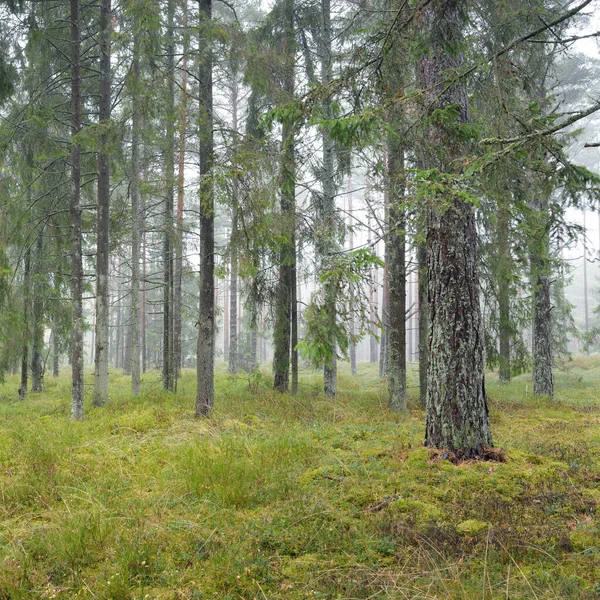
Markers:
277,497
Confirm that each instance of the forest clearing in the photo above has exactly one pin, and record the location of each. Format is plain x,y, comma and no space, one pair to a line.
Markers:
300,497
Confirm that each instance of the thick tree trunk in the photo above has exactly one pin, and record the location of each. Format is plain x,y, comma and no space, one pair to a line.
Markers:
37,349
178,292
102,260
396,275
205,395
76,223
26,324
456,403
285,308
168,374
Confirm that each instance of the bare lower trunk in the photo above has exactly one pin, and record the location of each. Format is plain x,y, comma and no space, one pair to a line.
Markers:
102,261
286,297
178,293
352,324
205,395
136,231
76,224
543,380
169,378
504,325
233,293
423,316
37,360
396,268
26,325
55,353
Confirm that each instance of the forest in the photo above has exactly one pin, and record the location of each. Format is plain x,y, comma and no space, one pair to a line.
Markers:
287,299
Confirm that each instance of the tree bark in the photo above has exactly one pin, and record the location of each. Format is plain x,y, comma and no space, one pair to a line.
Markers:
396,277
504,324
136,215
169,378
37,348
205,395
543,380
76,222
233,281
285,308
423,317
352,319
327,225
26,325
102,259
178,292
456,403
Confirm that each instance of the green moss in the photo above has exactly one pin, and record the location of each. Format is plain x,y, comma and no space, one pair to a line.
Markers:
471,527
294,498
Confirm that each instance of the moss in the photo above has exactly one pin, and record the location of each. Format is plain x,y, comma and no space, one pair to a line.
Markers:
471,527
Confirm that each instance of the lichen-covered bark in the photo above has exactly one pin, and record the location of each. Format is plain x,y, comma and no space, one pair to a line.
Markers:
286,298
37,347
76,223
169,376
26,325
423,317
205,393
136,231
504,325
102,259
396,279
456,403
543,381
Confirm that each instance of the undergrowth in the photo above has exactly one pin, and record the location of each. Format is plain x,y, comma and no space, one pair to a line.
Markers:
285,497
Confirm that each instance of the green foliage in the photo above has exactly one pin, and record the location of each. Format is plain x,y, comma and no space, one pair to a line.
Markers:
343,278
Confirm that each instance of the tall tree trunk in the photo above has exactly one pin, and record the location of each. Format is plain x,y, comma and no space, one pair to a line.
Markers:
55,351
456,404
373,345
423,317
118,320
233,290
396,267
169,379
76,223
233,282
178,292
144,318
586,313
137,224
543,380
285,301
327,216
102,301
26,324
205,395
504,324
352,319
37,360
